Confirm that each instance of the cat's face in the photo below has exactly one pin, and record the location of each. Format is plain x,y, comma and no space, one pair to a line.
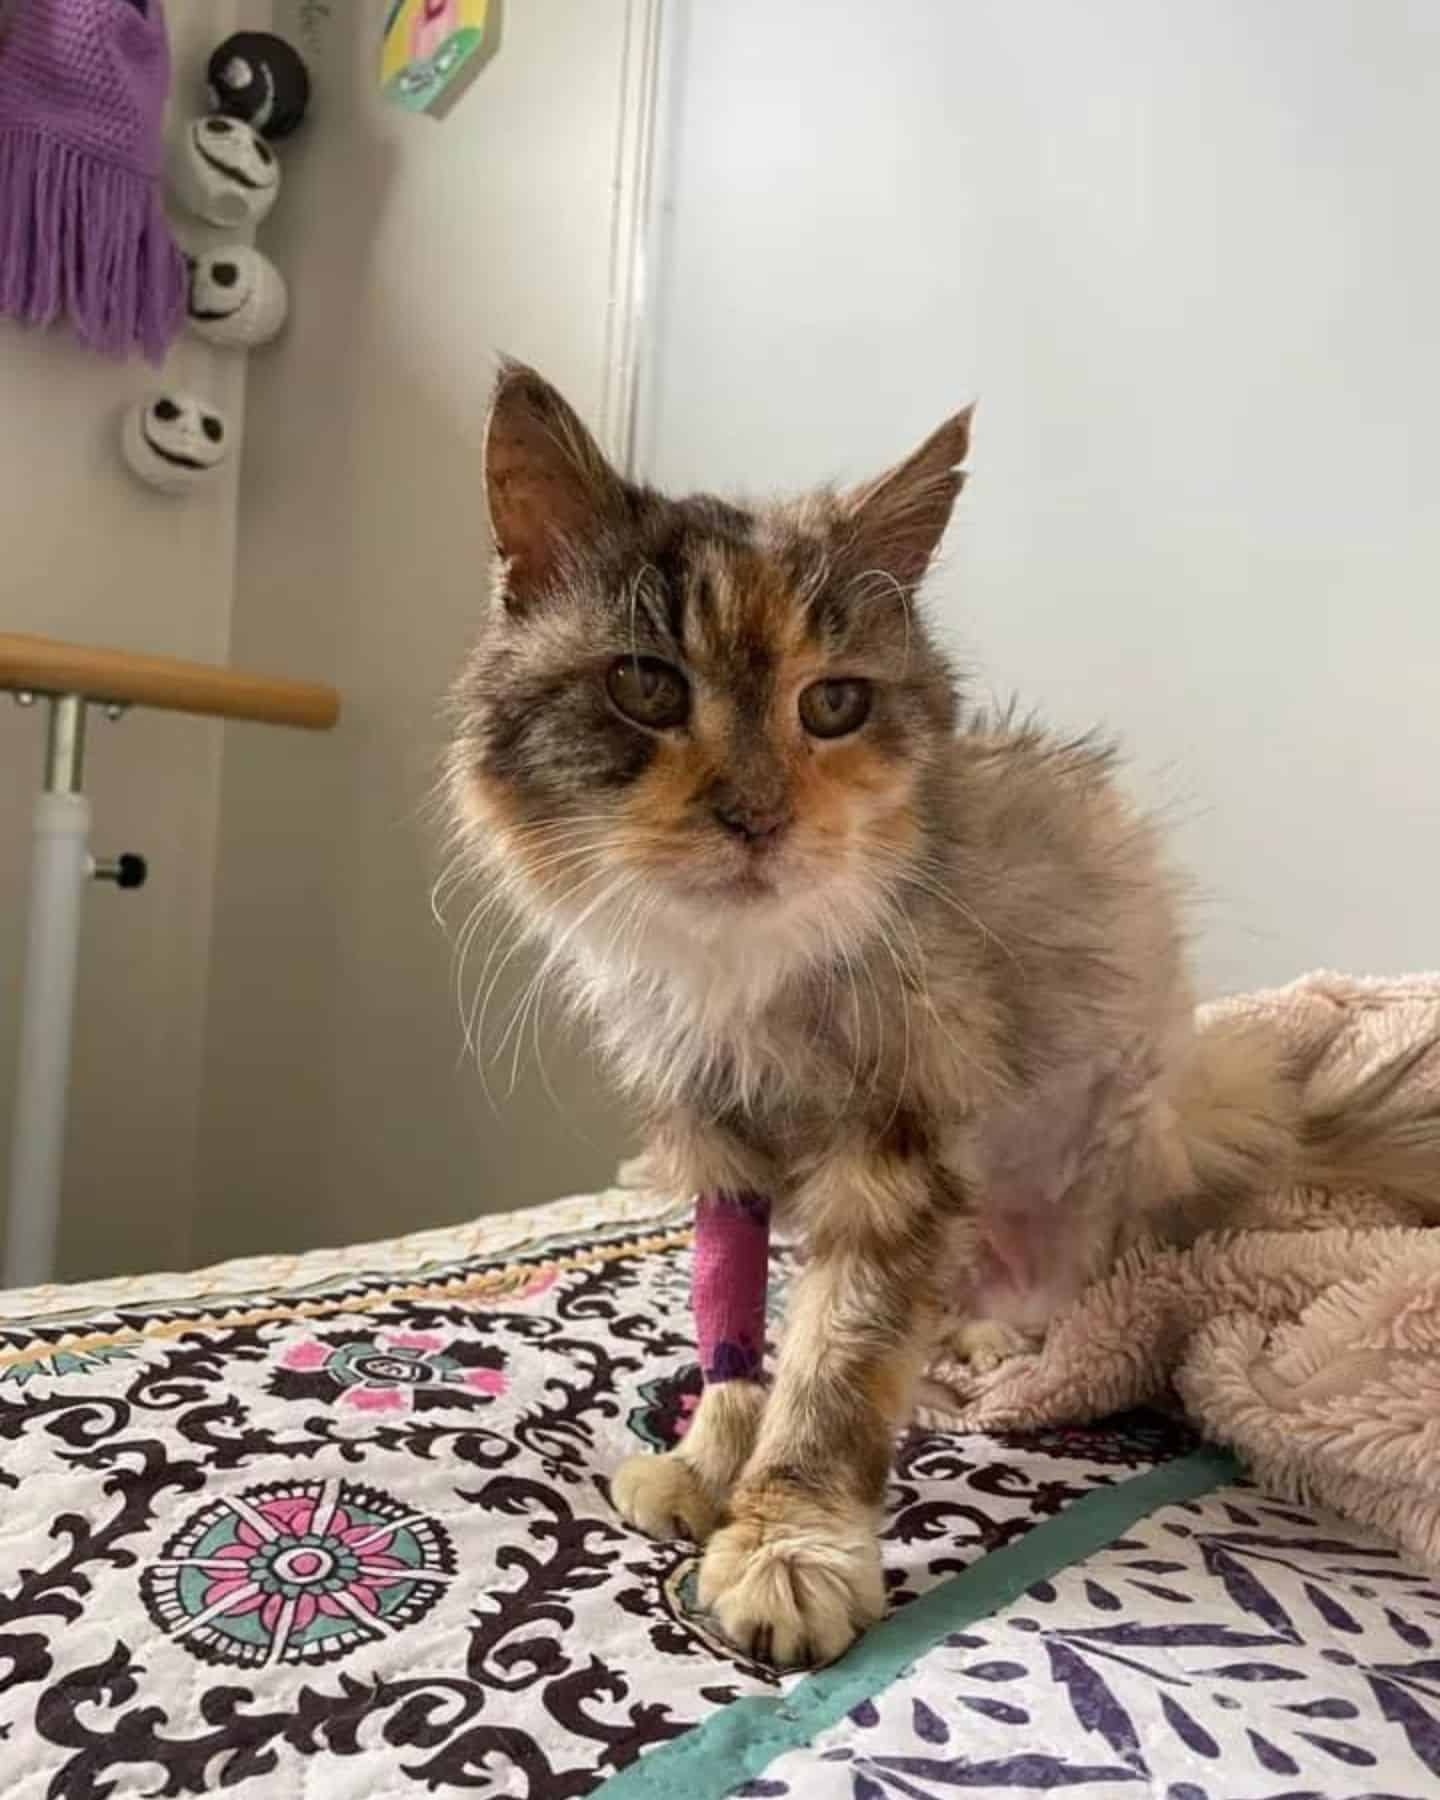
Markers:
693,716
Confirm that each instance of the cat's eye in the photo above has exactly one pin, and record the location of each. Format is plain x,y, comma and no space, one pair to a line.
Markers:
649,692
835,708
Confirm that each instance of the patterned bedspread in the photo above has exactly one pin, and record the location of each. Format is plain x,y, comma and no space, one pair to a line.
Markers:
338,1527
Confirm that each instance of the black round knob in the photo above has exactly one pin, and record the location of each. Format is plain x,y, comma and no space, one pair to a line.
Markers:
131,870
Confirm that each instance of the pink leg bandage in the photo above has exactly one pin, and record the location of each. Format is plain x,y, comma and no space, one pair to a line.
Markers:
732,1266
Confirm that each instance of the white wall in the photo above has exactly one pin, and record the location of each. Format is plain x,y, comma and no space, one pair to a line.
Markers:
91,556
1183,254
338,1104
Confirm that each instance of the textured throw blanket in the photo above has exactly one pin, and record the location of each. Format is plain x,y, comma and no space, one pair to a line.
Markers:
1305,1335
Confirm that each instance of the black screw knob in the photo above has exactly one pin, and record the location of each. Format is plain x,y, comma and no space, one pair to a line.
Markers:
126,871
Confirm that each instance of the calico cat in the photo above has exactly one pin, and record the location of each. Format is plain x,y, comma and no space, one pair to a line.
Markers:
914,973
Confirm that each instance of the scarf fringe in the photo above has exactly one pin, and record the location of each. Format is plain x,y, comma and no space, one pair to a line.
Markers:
84,240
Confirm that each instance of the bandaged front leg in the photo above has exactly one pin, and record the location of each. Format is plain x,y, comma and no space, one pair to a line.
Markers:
681,1494
732,1269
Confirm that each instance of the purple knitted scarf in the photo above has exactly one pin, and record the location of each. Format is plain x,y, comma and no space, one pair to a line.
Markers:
83,234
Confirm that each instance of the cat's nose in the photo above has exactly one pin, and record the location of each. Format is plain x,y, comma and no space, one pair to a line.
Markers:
751,824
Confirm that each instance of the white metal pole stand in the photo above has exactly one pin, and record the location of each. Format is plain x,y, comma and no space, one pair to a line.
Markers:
60,869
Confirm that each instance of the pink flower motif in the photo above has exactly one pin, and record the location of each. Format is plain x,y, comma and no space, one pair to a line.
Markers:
233,1584
373,1566
302,1571
378,1399
688,1403
296,1572
393,1371
377,1549
272,1610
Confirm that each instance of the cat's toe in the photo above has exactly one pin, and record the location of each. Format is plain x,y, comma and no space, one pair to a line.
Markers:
790,1584
986,1343
664,1497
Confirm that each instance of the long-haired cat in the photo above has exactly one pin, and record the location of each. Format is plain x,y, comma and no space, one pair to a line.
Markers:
915,975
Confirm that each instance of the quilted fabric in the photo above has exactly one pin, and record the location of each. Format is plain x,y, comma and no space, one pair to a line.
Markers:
338,1527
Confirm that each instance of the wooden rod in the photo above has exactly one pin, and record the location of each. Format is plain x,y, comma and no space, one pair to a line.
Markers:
48,666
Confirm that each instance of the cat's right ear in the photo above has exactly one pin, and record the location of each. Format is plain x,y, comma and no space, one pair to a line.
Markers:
547,484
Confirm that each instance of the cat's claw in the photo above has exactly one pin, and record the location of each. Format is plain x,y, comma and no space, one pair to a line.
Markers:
664,1497
792,1590
984,1344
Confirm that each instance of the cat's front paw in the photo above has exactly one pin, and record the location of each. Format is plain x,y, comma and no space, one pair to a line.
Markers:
790,1581
664,1497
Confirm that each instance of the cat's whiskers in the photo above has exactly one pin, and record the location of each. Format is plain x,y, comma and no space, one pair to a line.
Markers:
634,617
573,999
923,876
479,913
847,959
888,584
856,1040
511,931
527,933
449,881
555,956
545,1080
902,987
631,913
463,865
500,897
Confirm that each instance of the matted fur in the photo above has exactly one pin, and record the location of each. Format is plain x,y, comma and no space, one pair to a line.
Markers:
922,984
1306,1333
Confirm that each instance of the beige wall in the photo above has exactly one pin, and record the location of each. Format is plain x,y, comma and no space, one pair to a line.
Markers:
1200,320
90,555
337,1105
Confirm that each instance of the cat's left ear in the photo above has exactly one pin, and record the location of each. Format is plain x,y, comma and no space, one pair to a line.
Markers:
547,484
900,517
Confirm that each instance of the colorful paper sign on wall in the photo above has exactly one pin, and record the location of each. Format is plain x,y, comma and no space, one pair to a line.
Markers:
433,49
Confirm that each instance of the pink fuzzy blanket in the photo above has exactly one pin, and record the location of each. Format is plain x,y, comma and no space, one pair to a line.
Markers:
1306,1334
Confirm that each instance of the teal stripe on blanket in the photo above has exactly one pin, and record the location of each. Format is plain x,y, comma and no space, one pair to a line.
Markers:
737,1744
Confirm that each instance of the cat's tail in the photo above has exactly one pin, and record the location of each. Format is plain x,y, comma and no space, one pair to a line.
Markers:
1380,1133
1234,1117
1248,1117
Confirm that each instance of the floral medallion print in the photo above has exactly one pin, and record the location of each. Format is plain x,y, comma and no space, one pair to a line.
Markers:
350,1535
299,1572
390,1372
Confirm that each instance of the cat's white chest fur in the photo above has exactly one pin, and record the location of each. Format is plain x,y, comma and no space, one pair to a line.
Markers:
677,1012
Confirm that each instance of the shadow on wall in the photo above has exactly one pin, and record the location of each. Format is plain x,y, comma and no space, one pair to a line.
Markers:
337,1101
